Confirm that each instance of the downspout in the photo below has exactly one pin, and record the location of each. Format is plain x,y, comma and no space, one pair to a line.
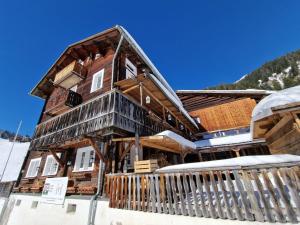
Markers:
113,61
93,202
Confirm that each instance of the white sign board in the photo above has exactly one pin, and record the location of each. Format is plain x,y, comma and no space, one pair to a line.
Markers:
54,190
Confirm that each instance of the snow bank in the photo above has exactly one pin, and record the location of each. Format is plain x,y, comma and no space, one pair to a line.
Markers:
16,159
234,162
179,139
263,108
233,139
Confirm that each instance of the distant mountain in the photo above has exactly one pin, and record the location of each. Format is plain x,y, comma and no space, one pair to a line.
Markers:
5,134
280,73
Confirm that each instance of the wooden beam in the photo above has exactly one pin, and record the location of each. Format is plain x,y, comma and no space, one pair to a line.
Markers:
97,149
53,152
127,149
130,89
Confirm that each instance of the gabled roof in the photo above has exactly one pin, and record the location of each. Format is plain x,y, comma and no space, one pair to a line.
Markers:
115,32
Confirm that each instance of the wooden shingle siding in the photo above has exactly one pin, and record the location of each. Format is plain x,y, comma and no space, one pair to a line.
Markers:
226,116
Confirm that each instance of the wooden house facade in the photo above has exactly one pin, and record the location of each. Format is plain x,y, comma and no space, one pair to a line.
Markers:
104,101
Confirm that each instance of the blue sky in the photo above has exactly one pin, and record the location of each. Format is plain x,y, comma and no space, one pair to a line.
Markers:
194,44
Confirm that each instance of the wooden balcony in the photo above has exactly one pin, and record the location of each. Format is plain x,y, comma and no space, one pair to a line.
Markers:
70,75
71,100
110,110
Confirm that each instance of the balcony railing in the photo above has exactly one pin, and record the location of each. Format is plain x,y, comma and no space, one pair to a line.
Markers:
70,75
68,101
111,109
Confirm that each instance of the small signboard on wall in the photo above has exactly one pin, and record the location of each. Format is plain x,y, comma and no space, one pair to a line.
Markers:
54,190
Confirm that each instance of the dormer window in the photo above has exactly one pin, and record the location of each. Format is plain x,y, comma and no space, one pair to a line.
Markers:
131,70
97,82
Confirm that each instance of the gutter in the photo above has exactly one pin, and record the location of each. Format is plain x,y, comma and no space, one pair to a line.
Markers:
113,61
93,202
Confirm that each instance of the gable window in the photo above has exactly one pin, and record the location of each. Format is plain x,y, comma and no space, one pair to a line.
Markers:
51,165
33,167
97,82
85,158
131,70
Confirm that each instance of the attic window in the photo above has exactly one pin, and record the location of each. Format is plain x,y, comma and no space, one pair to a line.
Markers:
131,70
51,165
33,168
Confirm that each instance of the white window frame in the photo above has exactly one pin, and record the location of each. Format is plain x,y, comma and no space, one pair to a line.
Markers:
86,161
74,88
131,70
32,161
95,78
51,157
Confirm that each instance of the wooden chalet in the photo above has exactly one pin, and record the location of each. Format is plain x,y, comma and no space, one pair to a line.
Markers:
104,101
225,117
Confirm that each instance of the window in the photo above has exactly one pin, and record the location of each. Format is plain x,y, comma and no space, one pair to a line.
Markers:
84,159
97,81
74,88
33,168
51,165
131,70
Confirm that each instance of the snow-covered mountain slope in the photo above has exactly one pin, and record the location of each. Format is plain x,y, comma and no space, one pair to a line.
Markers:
16,159
280,73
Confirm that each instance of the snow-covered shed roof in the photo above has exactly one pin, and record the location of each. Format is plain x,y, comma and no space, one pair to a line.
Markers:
237,139
238,163
15,161
177,138
264,108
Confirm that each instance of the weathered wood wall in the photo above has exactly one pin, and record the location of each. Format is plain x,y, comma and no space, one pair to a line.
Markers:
226,116
84,87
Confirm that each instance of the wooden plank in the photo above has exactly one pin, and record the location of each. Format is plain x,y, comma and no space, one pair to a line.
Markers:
162,188
253,200
118,191
125,192
157,193
212,209
181,197
229,212
245,203
276,206
134,192
233,197
284,197
169,196
195,197
265,203
148,194
202,198
216,194
129,192
174,190
152,194
138,188
143,184
288,177
187,195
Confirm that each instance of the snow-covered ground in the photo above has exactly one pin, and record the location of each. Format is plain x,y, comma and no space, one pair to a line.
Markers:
16,159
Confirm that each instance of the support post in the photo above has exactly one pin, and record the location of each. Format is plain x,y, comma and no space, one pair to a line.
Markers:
137,145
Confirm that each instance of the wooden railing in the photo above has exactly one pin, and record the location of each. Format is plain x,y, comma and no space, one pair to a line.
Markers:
111,109
270,194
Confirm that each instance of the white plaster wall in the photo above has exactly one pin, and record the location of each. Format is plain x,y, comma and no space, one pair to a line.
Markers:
47,214
2,201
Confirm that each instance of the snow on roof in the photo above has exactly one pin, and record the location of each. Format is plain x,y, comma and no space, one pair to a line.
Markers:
16,159
179,139
238,162
227,140
263,108
247,91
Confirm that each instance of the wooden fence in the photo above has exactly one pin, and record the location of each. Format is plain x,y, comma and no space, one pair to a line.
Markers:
250,194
